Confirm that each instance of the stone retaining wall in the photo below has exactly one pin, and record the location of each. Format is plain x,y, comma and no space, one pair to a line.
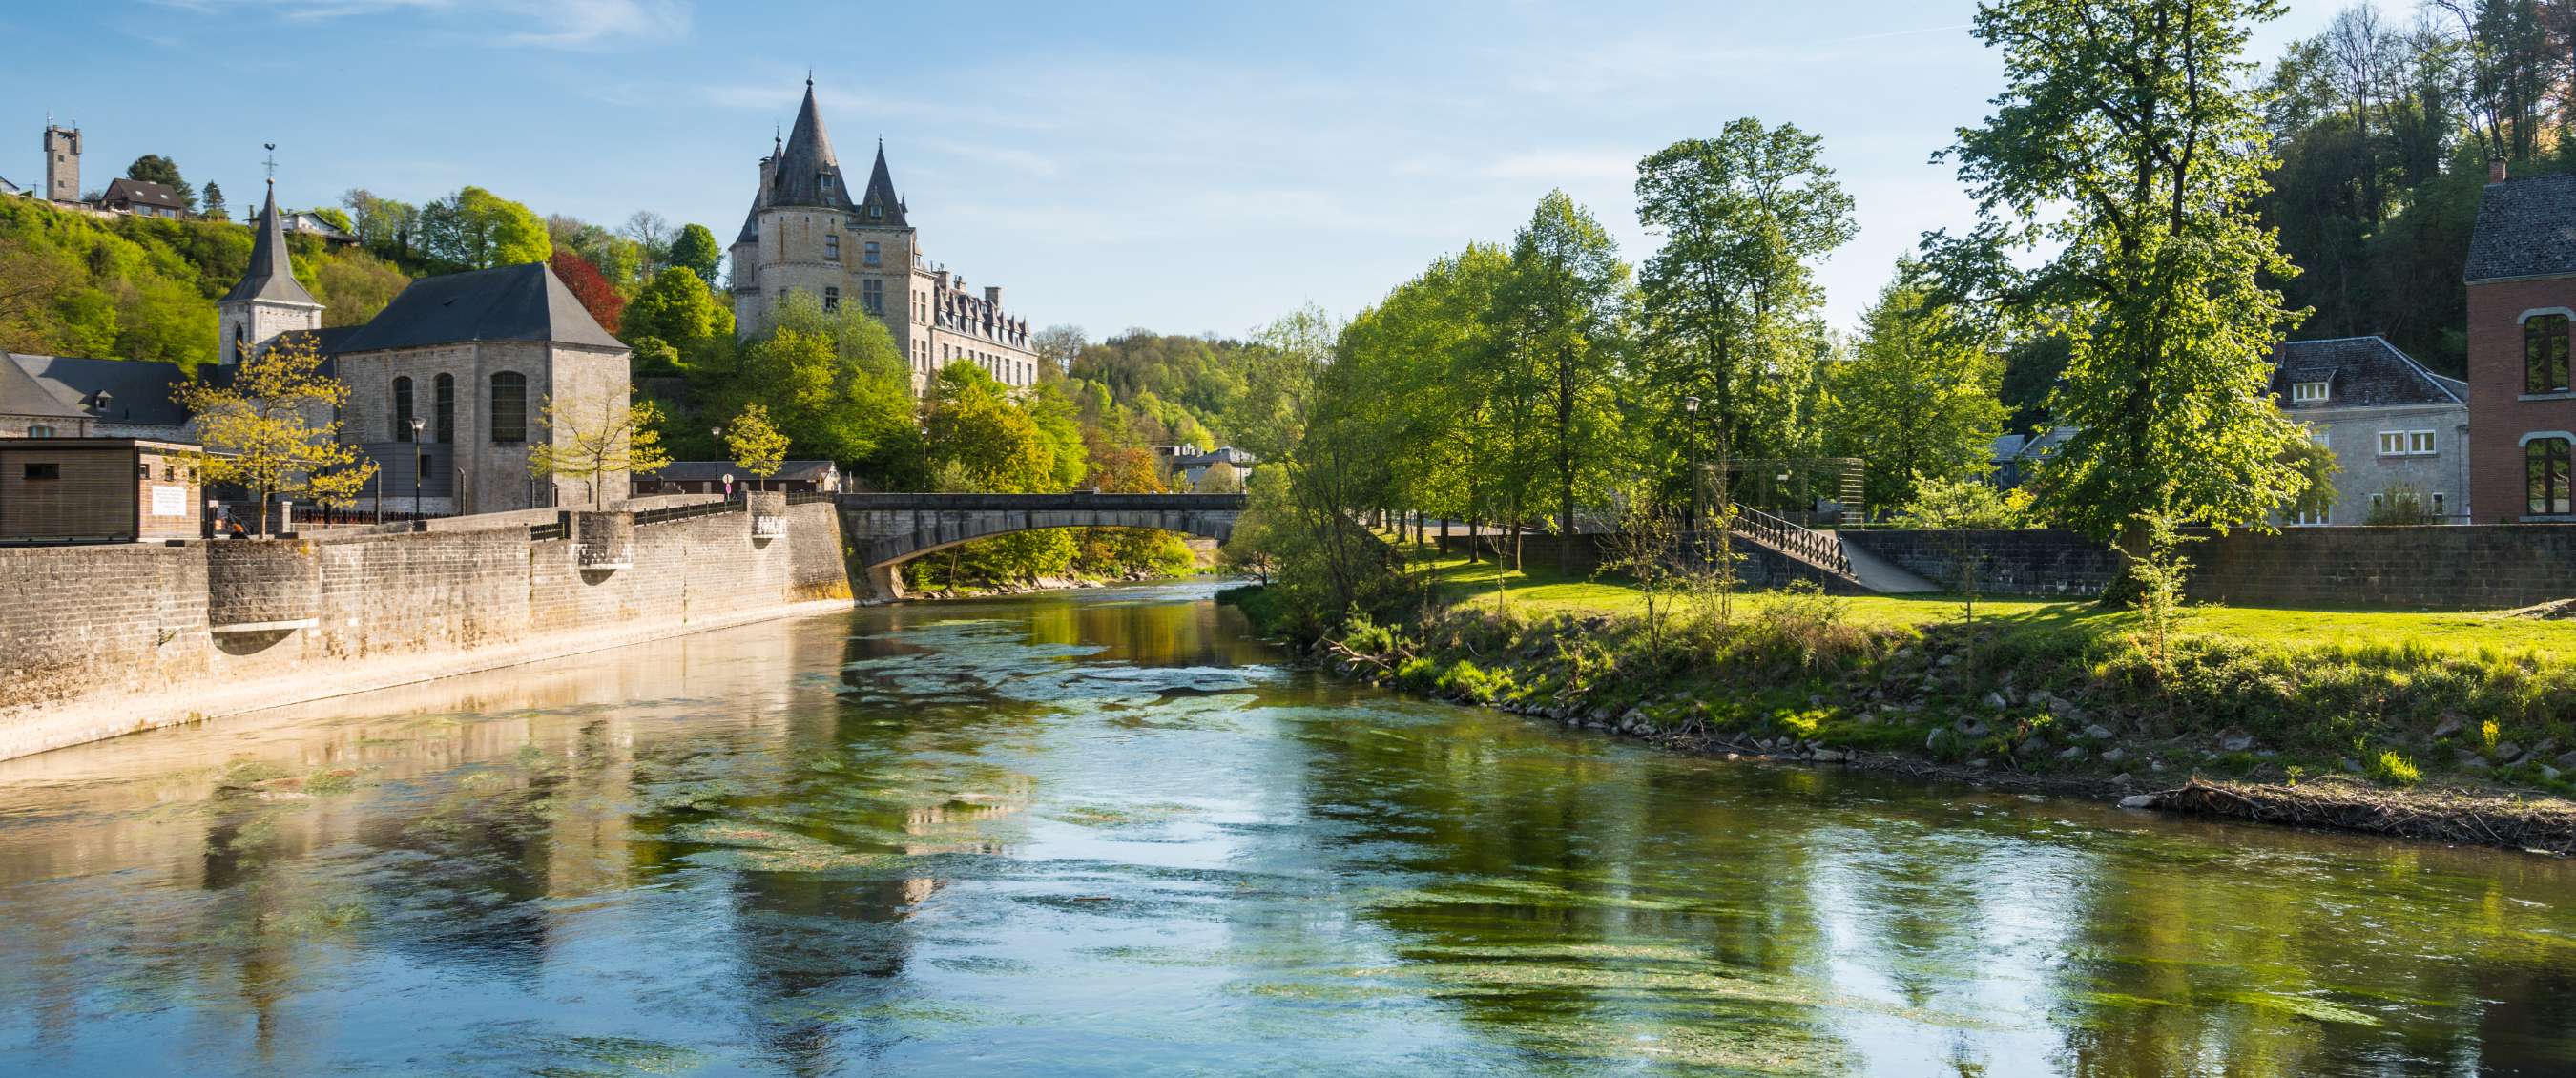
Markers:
101,640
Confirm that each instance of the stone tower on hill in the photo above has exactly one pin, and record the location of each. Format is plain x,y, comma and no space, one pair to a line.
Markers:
808,232
267,301
62,163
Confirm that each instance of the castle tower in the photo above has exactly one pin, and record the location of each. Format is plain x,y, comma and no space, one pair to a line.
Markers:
62,163
268,301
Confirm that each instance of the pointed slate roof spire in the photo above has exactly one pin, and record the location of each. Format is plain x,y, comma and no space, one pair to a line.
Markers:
807,174
880,204
272,275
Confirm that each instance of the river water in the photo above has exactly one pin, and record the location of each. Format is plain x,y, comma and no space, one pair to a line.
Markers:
1107,833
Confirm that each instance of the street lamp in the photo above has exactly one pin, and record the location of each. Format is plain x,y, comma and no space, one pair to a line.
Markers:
416,425
1690,406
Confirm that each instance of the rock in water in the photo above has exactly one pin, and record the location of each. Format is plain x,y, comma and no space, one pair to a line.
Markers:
2138,801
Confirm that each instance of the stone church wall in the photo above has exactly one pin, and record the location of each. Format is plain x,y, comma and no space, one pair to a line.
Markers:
105,640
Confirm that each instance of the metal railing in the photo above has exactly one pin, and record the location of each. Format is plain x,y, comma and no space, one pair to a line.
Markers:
1820,549
684,512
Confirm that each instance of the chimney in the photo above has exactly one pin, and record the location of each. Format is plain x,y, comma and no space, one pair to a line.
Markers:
993,297
2495,171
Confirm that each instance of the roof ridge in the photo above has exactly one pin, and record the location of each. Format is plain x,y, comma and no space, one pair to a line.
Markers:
2421,370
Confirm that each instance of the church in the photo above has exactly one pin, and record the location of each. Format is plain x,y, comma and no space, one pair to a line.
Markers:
808,232
447,385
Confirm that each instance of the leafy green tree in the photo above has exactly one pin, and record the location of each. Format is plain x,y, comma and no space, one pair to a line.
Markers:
675,307
759,448
1917,400
593,445
265,432
154,168
1731,300
1280,379
695,250
476,229
214,205
1560,315
386,226
2127,138
979,439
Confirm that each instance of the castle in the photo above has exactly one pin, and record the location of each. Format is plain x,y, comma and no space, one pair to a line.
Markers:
806,232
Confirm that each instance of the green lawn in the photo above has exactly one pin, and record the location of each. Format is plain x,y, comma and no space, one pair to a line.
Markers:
1542,591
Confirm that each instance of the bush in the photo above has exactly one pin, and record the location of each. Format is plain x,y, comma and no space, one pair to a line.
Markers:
2395,770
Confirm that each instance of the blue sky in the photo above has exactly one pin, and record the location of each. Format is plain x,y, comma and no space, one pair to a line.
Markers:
1184,167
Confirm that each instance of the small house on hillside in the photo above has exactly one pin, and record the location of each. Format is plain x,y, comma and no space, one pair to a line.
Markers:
142,197
1191,469
2399,432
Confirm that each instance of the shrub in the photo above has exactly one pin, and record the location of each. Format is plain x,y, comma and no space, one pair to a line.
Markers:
2395,770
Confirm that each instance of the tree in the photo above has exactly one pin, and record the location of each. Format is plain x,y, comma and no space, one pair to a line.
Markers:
1918,399
652,235
755,445
677,308
263,431
833,381
618,437
1559,314
330,215
695,250
2126,138
1219,478
1730,300
215,210
385,226
476,229
1057,348
154,168
586,285
1280,379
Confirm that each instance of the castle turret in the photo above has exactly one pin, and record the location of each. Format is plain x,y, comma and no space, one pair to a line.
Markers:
268,300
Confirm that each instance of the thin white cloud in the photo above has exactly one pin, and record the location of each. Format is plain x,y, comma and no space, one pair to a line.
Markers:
545,24
1564,165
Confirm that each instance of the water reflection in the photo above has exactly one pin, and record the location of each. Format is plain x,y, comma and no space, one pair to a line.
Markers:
1105,834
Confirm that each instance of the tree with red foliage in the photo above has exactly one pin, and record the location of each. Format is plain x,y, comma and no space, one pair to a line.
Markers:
602,301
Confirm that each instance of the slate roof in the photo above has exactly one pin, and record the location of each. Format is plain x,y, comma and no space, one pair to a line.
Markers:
880,199
807,174
326,340
2525,228
8,188
2361,372
22,394
138,390
712,470
146,192
525,302
271,277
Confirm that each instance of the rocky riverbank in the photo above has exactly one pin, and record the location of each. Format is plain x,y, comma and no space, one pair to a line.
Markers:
2457,749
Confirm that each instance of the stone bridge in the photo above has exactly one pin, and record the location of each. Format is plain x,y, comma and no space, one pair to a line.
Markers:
886,530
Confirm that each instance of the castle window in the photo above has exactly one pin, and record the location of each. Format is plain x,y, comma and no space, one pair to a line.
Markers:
872,295
831,298
869,254
44,471
402,409
831,246
876,212
442,409
509,407
40,431
2544,354
2308,392
2545,469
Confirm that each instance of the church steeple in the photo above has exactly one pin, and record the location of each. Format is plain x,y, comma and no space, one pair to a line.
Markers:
268,300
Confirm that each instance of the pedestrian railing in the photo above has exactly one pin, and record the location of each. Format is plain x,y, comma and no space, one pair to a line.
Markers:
1820,549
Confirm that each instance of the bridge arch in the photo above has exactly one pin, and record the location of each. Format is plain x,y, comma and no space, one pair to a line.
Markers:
886,530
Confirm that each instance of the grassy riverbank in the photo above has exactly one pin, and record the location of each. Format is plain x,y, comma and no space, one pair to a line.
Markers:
2367,707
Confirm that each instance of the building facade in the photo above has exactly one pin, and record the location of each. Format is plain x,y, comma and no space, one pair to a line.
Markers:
62,164
2398,431
808,232
2522,297
97,490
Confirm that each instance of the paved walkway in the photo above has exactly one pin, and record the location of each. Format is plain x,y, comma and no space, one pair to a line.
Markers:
1880,575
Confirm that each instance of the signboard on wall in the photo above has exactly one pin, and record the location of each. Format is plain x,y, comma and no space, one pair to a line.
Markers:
169,501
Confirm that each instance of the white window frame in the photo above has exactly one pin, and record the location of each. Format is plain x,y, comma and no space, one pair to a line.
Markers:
2310,392
2407,443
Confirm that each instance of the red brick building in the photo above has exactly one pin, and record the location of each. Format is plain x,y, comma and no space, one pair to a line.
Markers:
2522,299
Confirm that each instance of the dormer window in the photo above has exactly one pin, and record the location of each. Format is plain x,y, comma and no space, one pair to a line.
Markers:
2308,392
876,212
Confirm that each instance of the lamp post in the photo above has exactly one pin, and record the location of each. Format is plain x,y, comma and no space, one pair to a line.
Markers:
416,425
1690,407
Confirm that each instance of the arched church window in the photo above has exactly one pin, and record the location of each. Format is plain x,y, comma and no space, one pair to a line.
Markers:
509,407
443,408
402,409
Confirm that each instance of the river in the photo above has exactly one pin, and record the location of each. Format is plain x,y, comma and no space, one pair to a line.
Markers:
1108,833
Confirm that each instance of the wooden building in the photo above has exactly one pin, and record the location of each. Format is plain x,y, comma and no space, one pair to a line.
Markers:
97,490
